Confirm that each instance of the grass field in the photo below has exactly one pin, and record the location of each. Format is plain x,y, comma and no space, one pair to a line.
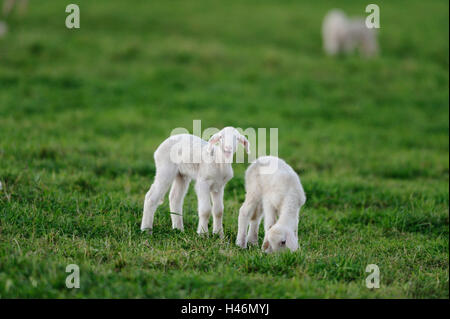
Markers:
82,111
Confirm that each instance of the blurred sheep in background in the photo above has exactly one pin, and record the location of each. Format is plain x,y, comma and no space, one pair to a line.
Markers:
8,6
342,35
3,28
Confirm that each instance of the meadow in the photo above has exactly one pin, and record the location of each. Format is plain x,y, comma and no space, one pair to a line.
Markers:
82,111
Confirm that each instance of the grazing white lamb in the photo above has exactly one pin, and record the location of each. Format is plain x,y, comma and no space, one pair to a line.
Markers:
278,195
343,35
183,157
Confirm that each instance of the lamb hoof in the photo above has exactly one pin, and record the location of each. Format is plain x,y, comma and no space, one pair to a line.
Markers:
203,234
220,234
241,244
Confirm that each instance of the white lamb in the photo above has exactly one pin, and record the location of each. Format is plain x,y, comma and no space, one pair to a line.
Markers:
343,35
183,157
274,193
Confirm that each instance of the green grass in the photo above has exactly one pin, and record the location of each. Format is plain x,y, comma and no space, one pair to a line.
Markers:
82,111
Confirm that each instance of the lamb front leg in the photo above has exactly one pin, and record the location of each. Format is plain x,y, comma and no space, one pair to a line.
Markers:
176,196
204,206
217,209
270,218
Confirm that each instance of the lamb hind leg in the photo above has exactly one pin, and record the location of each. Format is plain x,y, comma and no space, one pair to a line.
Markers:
255,220
245,212
163,178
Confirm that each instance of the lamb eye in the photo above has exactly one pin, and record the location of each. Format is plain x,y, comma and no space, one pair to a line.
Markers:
283,242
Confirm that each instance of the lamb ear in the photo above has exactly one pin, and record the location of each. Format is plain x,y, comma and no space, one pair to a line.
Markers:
244,142
291,241
213,140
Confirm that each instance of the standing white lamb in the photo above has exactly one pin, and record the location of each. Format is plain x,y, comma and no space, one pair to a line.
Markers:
274,190
343,35
183,157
